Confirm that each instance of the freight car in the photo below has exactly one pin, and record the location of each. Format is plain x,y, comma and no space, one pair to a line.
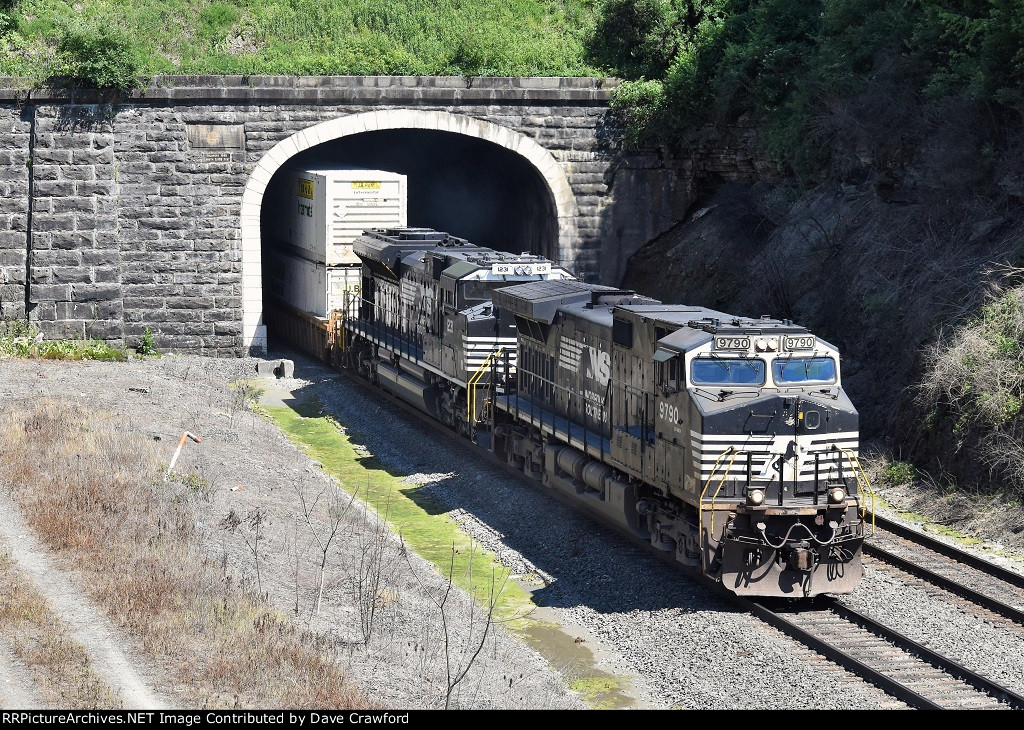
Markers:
727,442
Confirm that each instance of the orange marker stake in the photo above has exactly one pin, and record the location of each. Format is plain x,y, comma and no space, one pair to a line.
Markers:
181,442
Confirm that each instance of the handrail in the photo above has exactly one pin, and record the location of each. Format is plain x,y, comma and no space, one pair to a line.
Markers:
471,386
700,507
862,481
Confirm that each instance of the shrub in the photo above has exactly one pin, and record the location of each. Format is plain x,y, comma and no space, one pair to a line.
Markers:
899,472
642,106
99,54
976,380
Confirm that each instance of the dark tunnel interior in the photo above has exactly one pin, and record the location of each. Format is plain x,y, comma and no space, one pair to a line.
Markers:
463,185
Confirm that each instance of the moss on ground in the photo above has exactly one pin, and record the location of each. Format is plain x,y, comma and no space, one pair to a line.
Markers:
430,533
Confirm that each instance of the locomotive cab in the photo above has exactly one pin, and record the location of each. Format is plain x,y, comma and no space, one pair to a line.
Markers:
772,459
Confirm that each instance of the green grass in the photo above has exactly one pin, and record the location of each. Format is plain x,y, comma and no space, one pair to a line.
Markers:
601,693
317,37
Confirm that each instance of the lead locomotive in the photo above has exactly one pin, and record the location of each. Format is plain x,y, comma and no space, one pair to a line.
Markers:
726,441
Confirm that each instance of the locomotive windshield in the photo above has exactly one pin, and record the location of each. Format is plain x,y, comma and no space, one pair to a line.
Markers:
804,370
731,371
479,291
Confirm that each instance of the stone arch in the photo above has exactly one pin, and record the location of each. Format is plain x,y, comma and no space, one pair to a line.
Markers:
253,330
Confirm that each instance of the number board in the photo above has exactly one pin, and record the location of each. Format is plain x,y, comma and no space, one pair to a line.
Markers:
798,342
731,342
305,188
520,269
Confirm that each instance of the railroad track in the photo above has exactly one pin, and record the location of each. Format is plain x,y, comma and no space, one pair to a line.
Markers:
907,670
939,564
904,668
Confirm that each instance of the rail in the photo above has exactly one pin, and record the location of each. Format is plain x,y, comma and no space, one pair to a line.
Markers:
542,399
725,474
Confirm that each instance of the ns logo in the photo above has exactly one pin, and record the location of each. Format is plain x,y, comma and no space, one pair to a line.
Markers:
599,365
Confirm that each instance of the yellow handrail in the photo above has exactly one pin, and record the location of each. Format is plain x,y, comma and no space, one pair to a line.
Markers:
862,481
471,386
700,508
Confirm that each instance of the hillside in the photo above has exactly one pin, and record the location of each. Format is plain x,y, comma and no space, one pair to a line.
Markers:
887,210
109,41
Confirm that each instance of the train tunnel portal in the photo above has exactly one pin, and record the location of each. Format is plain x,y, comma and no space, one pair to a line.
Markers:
471,178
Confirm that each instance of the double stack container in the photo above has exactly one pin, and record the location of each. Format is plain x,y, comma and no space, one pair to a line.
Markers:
310,264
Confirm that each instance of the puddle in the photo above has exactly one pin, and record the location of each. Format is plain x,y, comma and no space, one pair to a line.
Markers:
569,650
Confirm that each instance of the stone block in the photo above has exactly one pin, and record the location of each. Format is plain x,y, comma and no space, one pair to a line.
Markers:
97,188
53,222
50,293
50,157
78,172
12,308
275,369
95,292
70,205
54,188
87,156
104,330
266,369
70,275
63,330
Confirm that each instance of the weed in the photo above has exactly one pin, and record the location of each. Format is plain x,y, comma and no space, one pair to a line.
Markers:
147,345
899,472
429,535
22,340
977,375
39,637
301,37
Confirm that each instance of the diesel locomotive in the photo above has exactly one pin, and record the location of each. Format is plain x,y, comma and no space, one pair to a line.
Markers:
726,442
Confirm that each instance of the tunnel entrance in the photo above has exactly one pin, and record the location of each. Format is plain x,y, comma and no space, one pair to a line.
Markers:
462,185
466,176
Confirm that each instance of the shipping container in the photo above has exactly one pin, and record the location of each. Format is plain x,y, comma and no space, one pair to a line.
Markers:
311,286
324,210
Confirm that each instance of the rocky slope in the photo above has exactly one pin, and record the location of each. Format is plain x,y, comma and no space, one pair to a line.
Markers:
883,269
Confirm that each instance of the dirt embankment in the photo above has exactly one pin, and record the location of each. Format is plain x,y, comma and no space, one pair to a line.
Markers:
207,586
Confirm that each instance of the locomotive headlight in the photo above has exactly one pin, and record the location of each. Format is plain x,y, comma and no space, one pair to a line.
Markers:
761,344
836,495
755,497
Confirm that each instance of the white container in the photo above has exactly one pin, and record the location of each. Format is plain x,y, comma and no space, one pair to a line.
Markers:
326,209
311,286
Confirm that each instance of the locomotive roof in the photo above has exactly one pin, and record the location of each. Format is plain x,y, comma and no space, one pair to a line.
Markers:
395,247
543,300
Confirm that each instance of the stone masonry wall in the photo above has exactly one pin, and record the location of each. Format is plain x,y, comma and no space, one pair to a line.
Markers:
129,212
14,196
75,254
